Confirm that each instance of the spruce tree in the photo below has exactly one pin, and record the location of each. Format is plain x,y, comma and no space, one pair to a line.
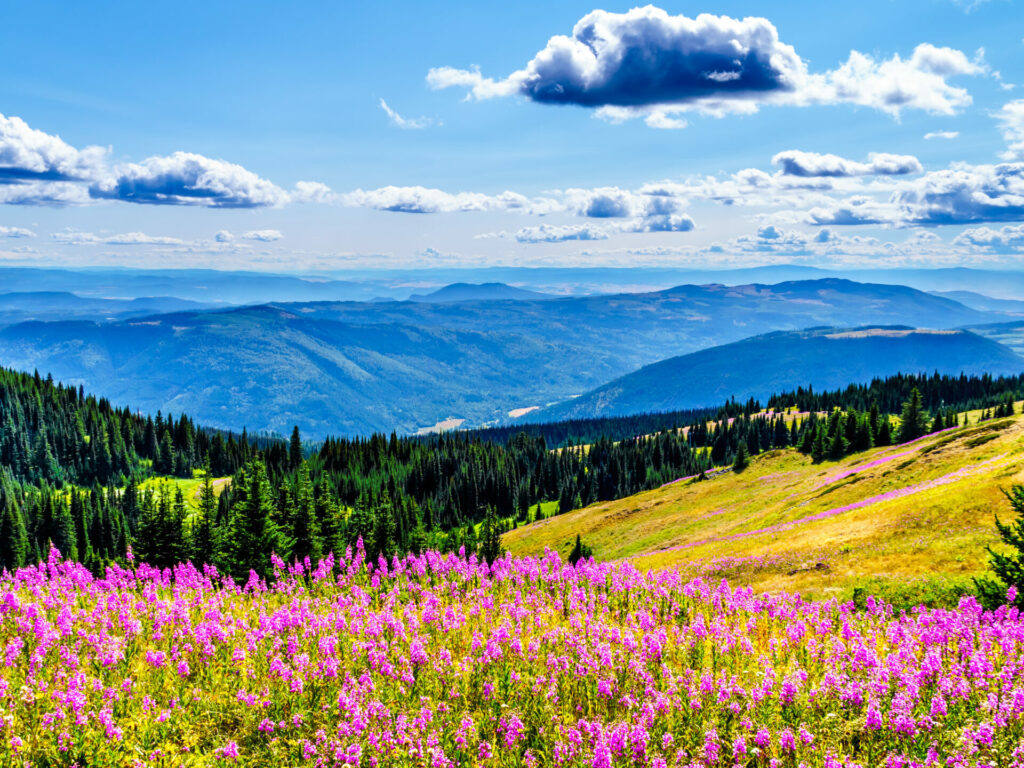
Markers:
203,541
14,547
305,530
295,448
913,419
253,534
490,537
1007,569
742,460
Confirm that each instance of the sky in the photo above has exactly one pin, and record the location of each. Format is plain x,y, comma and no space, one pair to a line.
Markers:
321,137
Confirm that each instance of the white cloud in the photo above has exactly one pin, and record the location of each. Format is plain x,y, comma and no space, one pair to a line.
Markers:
223,236
417,199
262,235
127,238
16,232
313,192
185,178
1008,239
810,164
1011,121
27,154
941,135
647,63
406,123
553,233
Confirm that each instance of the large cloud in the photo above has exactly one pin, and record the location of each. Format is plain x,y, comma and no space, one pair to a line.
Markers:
964,194
1009,239
1011,120
648,63
185,178
27,154
809,164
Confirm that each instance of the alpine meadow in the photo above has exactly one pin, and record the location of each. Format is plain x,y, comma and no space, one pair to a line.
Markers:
512,385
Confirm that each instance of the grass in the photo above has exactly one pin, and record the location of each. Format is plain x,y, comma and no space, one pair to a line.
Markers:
190,487
927,515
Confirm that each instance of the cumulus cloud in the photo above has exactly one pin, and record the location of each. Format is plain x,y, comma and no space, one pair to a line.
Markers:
646,57
553,233
964,194
809,164
223,236
1011,121
262,235
406,123
127,238
1008,239
647,63
941,135
185,178
16,232
418,199
313,192
27,154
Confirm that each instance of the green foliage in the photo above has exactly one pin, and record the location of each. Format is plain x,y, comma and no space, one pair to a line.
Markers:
1007,569
580,551
913,418
931,592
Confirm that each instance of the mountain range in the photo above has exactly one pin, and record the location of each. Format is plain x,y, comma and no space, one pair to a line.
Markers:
358,367
824,358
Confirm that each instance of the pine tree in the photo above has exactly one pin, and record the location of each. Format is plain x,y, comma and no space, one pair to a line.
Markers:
837,446
820,446
203,538
490,537
253,534
742,460
295,449
14,547
580,551
305,530
913,419
1008,569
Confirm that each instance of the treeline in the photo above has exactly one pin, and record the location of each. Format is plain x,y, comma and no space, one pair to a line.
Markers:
958,393
54,434
73,469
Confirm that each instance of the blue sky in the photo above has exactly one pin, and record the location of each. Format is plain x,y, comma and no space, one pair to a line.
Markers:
185,128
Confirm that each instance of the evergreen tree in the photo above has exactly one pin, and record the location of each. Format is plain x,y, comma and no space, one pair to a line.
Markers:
820,446
580,551
305,530
742,460
14,547
203,538
253,534
490,537
913,419
295,448
1008,569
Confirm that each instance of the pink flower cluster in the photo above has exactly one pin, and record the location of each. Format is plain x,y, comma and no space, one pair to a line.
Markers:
441,661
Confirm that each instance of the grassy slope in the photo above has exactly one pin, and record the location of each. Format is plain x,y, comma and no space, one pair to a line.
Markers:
712,527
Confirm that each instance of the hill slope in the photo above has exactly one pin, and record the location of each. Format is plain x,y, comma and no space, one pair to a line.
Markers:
355,367
775,362
478,292
897,513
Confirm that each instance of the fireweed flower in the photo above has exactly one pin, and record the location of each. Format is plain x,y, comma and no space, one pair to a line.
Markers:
437,659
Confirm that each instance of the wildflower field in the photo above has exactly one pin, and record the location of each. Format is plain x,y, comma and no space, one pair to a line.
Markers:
439,660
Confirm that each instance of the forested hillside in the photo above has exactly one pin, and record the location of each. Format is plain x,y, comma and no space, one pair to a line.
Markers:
78,472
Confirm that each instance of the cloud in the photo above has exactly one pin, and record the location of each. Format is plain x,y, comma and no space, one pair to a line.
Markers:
964,194
1011,121
646,57
127,238
647,63
417,199
223,236
313,192
185,178
1009,239
262,235
810,164
27,154
941,135
553,233
406,123
16,232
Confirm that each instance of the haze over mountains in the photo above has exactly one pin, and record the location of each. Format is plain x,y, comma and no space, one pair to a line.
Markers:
358,367
824,358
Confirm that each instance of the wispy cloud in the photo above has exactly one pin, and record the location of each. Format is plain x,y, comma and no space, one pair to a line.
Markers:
407,123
